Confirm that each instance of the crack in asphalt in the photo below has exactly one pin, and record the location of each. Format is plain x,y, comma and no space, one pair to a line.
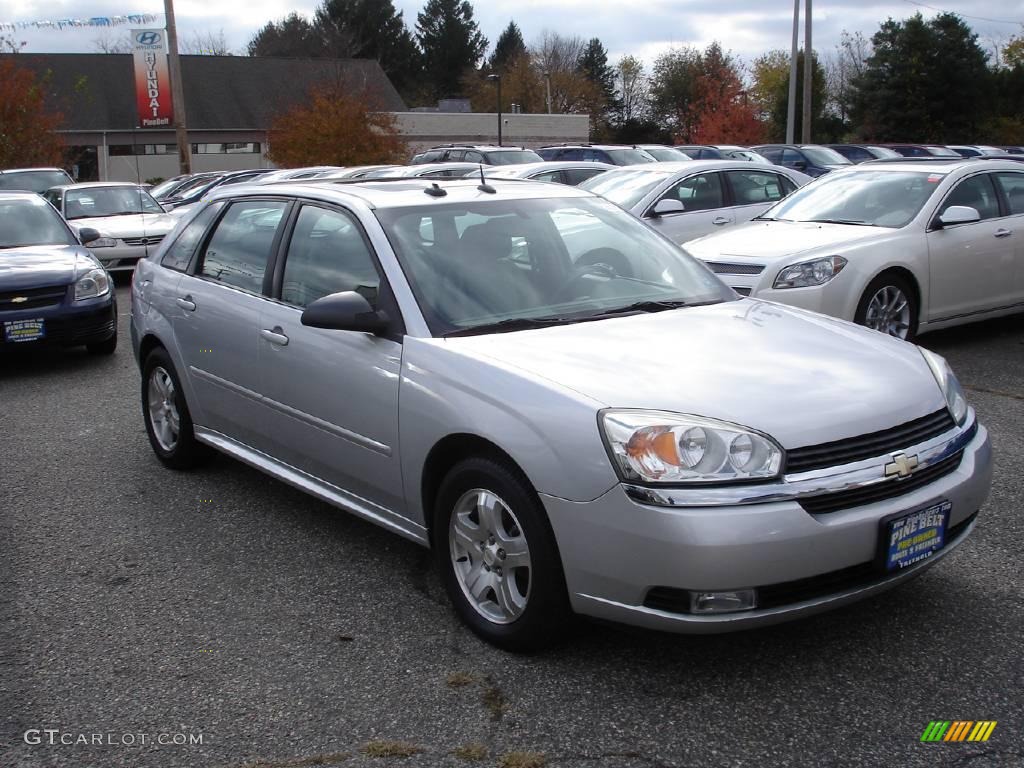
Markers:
996,392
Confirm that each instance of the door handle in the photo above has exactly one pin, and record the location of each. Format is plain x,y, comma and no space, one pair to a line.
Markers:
720,221
275,336
1003,232
186,303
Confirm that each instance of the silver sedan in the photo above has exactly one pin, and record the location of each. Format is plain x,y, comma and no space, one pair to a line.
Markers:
601,429
690,199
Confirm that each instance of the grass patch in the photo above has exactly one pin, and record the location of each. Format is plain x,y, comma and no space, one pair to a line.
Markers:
299,762
390,749
459,680
494,701
523,760
470,752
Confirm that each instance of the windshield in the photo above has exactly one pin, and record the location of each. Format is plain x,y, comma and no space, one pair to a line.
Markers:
475,264
630,156
666,154
514,157
164,187
33,181
31,221
624,188
824,156
941,151
883,153
108,201
874,198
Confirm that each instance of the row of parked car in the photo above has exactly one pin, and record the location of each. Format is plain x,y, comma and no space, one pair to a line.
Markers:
536,380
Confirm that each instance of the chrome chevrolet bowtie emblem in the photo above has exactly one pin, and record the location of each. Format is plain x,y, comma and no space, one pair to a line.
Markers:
19,299
901,465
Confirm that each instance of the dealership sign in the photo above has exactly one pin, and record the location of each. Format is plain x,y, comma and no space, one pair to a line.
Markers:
152,82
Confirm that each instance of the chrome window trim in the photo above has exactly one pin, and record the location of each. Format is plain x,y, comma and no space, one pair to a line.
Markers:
846,477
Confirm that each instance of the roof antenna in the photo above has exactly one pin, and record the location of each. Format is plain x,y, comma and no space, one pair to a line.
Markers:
435,190
483,186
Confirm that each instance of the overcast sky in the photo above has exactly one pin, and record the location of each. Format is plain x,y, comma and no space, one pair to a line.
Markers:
747,27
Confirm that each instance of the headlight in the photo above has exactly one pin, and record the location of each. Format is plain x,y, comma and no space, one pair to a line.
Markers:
808,273
103,242
661,447
956,400
92,284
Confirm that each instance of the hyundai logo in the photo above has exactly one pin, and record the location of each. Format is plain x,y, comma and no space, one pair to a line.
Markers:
147,38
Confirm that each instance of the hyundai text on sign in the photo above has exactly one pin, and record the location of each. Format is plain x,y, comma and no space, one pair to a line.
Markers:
152,80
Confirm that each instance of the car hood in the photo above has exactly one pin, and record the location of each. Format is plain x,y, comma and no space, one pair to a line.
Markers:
42,265
763,241
800,377
136,225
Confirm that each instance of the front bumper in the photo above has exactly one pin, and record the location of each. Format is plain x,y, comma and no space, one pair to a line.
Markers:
616,550
68,324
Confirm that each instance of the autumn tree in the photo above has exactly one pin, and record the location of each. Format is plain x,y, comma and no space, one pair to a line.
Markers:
725,114
770,93
337,125
451,42
28,128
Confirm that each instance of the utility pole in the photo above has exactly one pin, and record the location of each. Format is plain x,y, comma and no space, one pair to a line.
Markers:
808,75
497,80
791,107
177,92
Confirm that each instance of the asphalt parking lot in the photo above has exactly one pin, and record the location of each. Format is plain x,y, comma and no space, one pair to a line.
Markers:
225,607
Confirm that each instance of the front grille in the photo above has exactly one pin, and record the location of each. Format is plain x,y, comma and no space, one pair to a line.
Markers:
857,497
32,298
725,268
741,291
673,600
868,446
150,240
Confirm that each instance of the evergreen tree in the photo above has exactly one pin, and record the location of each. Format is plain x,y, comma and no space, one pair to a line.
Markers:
510,46
593,64
291,36
451,42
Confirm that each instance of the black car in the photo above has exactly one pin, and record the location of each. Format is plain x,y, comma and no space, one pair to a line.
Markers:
861,153
812,159
33,179
476,153
52,290
613,154
922,150
701,152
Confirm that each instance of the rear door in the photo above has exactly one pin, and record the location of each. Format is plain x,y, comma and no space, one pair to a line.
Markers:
753,192
332,395
972,265
216,317
1011,185
703,196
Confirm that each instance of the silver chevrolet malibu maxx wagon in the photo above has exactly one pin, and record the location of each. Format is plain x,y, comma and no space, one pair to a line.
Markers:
572,412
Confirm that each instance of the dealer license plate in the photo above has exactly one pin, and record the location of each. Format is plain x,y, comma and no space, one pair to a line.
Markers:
915,536
24,330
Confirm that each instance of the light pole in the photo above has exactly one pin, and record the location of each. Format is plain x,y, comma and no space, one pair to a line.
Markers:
497,79
791,106
547,82
808,76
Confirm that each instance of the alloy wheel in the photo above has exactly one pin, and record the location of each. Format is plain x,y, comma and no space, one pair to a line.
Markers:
888,311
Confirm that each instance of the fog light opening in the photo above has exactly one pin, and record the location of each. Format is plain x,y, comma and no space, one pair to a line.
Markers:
723,602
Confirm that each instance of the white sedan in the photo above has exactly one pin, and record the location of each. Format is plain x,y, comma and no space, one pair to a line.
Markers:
688,199
899,246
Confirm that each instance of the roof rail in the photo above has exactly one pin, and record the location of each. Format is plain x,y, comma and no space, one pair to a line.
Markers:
933,159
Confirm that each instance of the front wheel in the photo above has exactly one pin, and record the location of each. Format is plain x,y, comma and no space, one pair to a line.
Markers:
498,558
889,305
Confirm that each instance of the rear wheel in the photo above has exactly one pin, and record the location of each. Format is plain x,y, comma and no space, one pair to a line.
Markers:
168,422
889,305
498,558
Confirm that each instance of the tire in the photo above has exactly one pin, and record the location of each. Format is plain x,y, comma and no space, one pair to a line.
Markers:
878,296
103,347
180,450
522,608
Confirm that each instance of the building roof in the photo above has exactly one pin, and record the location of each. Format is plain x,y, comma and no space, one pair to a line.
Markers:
96,91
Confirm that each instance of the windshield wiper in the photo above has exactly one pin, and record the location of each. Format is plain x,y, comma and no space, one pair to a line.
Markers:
764,218
648,305
856,222
513,324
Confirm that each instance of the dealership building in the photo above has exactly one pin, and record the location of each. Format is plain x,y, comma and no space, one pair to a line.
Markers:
230,103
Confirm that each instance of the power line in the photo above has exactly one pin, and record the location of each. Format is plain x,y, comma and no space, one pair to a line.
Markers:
963,15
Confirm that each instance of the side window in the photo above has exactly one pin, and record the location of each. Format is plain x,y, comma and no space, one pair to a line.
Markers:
702,192
327,254
548,176
178,256
976,192
1013,187
569,154
238,251
771,154
576,176
472,156
594,155
53,198
788,187
752,187
791,157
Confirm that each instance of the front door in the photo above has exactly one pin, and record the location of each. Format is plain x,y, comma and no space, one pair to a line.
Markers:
703,199
332,395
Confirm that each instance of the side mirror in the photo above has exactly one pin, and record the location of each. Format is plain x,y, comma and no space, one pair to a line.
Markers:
88,235
959,214
345,311
667,206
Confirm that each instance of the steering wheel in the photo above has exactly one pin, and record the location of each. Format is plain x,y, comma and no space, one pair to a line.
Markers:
603,262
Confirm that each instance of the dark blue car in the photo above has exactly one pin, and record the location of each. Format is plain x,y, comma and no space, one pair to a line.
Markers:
52,290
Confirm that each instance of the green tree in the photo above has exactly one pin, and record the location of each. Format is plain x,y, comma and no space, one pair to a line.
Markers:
372,29
673,90
293,35
770,92
451,42
925,81
593,65
510,46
